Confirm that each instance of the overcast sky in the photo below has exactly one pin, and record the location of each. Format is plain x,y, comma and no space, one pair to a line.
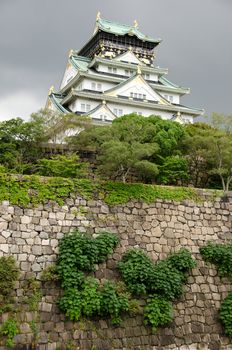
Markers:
36,36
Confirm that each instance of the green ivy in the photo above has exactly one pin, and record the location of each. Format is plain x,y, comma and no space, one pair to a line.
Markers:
225,314
9,330
166,277
32,190
119,193
158,312
84,296
9,274
163,281
221,256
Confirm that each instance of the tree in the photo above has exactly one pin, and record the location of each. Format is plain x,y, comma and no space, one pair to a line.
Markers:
222,153
63,166
122,147
173,171
18,143
197,148
221,121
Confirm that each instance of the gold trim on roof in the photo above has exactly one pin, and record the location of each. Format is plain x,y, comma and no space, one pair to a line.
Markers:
51,90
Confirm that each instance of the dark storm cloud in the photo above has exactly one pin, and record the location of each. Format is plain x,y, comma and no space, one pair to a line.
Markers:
37,35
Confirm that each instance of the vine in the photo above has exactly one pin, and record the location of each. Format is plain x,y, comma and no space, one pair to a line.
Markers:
30,190
9,330
159,283
84,295
221,256
9,274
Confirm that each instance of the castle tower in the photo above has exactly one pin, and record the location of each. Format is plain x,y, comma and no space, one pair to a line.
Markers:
114,74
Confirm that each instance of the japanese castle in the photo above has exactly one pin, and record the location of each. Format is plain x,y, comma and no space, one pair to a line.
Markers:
114,74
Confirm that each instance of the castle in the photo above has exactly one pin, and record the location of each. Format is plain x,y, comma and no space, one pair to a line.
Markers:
114,74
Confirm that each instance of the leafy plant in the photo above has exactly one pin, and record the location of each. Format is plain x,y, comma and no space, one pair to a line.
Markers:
62,166
166,277
225,314
9,274
80,252
9,329
84,296
157,312
32,293
49,274
163,281
113,302
220,255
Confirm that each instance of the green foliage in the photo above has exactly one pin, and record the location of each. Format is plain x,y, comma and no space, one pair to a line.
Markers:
49,274
32,293
181,261
9,274
9,330
173,171
137,271
114,302
165,278
157,312
220,255
163,281
71,303
119,193
92,299
84,296
225,314
80,252
33,190
62,166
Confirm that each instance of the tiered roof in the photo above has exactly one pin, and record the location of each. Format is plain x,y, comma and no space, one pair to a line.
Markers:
87,67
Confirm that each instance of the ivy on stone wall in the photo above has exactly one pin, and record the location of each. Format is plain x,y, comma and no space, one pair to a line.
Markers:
159,283
9,274
221,256
31,190
85,296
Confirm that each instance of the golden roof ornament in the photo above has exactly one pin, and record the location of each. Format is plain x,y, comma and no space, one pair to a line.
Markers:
51,90
139,70
98,16
71,52
136,24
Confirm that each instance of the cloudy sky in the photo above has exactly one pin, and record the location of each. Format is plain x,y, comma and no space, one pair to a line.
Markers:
37,35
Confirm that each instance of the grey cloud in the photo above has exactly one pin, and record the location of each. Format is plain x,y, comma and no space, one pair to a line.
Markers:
37,35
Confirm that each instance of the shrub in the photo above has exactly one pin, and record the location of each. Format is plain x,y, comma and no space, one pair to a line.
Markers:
9,274
220,255
225,314
62,166
9,329
157,312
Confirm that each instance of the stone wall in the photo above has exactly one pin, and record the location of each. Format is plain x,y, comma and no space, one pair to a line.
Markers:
32,235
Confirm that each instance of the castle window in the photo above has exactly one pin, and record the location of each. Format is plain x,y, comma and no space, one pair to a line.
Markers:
118,112
85,107
138,96
129,72
146,76
103,117
93,86
99,87
169,98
